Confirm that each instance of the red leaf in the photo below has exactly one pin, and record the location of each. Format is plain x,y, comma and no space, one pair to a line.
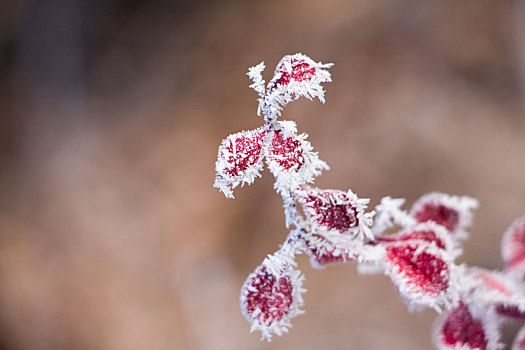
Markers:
510,311
272,295
330,210
438,213
287,152
420,272
513,243
451,212
300,71
239,160
459,328
267,297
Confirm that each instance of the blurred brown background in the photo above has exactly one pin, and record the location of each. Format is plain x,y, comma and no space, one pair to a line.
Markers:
111,112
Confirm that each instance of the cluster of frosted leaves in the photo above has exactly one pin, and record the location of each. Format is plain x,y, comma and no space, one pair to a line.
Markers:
419,258
487,299
272,295
289,156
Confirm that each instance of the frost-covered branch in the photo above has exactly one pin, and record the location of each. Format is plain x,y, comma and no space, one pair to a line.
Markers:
334,226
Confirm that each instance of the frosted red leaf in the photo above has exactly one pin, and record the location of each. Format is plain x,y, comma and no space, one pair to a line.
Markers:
295,76
290,158
460,329
287,152
493,282
239,160
513,243
451,212
499,291
272,294
421,273
329,209
516,270
267,297
300,70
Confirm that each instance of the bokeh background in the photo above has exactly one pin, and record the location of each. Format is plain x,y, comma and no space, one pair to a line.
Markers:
111,112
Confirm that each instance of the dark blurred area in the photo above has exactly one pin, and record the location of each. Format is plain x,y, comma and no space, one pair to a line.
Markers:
111,112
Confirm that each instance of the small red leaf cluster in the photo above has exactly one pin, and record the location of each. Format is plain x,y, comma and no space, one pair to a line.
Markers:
288,156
